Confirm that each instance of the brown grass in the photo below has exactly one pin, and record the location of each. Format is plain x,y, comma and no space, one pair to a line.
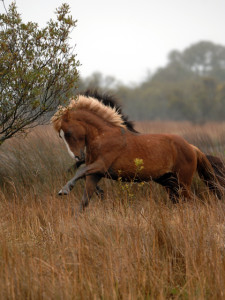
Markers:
133,245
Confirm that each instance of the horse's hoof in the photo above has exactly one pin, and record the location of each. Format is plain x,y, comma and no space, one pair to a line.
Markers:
63,192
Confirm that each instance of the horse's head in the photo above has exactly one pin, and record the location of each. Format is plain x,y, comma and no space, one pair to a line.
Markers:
73,134
71,122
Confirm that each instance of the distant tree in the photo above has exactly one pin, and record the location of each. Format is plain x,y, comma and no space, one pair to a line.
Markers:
173,72
175,56
189,87
38,69
205,59
98,81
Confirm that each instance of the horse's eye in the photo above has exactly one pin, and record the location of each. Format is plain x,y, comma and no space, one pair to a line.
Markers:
67,134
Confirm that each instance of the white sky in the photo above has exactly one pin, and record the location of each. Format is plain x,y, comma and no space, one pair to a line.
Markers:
127,39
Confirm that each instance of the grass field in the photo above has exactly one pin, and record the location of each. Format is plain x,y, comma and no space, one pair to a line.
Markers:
134,244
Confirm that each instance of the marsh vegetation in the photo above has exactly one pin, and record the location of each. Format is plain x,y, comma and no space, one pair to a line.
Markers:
134,244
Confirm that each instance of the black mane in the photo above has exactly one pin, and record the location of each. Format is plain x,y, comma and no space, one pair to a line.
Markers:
110,100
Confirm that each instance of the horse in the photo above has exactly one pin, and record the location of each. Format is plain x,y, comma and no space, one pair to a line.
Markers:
97,133
110,100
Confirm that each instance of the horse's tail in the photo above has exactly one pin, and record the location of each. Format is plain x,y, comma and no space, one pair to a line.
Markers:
207,171
219,168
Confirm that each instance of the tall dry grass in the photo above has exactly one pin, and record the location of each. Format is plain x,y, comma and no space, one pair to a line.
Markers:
133,245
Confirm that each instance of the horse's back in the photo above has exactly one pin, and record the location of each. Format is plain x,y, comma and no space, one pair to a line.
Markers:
159,144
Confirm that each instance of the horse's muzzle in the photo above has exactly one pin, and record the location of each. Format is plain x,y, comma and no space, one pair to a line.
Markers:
81,157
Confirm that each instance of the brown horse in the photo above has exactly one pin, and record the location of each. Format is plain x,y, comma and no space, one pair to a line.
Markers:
97,133
107,99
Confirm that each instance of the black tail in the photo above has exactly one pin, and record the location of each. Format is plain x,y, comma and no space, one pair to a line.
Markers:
218,166
209,170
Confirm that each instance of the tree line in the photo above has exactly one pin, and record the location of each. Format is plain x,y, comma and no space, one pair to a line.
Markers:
190,87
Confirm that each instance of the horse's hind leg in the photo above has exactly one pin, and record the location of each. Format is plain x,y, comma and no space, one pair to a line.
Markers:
170,182
90,188
174,188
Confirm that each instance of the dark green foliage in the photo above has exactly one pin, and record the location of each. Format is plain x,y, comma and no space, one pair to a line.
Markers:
37,69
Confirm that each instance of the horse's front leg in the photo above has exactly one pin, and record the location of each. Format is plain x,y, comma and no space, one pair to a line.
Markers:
90,187
96,167
67,187
99,192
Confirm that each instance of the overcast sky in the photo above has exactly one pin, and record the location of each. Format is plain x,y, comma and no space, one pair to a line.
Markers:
128,39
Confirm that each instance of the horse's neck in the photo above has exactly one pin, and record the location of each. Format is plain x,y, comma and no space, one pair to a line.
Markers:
96,127
94,132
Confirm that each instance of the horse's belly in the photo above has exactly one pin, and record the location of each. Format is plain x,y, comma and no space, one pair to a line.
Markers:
142,169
